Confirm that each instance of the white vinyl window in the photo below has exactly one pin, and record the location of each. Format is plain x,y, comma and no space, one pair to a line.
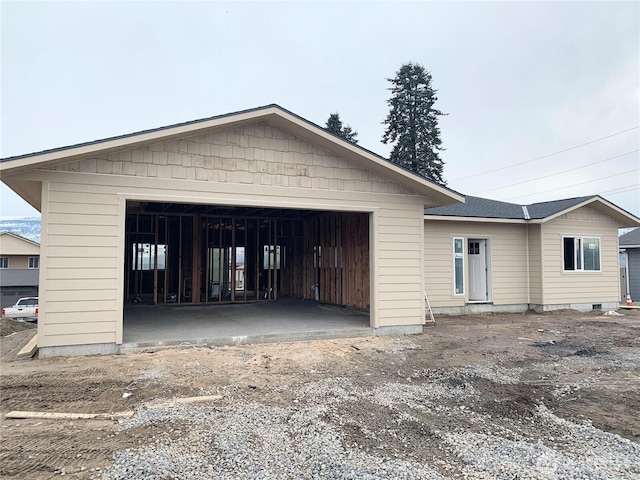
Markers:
4,262
34,262
458,266
581,254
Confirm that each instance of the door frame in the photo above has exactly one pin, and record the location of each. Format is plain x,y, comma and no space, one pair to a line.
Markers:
485,251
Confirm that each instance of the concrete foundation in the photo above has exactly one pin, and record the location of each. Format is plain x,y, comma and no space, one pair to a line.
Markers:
580,307
77,350
477,308
399,330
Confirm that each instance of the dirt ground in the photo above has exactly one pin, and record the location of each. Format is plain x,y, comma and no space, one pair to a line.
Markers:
585,368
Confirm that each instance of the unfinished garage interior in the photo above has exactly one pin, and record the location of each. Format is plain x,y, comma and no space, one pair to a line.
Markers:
184,254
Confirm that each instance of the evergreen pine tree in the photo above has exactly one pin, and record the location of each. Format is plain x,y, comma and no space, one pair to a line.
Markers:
412,123
334,125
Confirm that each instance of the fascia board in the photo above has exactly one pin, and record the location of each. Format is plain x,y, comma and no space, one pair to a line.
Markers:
476,219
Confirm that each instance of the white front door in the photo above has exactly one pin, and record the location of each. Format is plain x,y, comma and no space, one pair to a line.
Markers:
478,291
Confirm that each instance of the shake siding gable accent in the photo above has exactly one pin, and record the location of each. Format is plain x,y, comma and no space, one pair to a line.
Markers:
256,154
561,287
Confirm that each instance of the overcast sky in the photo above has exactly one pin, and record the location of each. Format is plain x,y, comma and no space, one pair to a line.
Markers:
518,80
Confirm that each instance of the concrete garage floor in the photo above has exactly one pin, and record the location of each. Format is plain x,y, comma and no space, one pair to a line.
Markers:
280,321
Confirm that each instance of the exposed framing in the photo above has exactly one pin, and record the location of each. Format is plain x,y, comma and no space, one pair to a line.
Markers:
327,249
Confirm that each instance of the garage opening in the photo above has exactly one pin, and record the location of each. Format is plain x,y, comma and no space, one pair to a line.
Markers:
185,254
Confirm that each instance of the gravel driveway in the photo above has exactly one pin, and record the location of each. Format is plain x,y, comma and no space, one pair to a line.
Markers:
496,397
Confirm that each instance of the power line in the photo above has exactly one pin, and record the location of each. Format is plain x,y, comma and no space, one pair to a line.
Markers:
625,189
558,173
574,185
547,155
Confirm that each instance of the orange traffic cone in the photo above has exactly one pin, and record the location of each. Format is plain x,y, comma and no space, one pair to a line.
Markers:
629,301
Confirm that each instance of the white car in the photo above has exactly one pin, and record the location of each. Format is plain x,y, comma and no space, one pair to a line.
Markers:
25,309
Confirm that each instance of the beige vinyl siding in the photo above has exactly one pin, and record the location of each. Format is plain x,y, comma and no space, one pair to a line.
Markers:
81,275
507,261
399,269
535,265
438,264
83,235
562,287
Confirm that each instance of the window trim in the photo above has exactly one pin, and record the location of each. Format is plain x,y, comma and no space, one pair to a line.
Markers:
37,262
455,256
579,261
2,262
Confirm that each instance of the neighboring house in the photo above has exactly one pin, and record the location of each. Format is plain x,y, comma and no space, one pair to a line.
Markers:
486,255
19,268
630,262
167,214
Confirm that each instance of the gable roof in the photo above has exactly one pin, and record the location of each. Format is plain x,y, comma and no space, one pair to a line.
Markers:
479,208
484,209
546,209
630,239
273,114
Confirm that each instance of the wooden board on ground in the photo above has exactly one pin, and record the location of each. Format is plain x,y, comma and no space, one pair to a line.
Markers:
66,416
30,348
17,414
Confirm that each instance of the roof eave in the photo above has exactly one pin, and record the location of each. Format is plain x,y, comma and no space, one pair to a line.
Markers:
624,218
452,218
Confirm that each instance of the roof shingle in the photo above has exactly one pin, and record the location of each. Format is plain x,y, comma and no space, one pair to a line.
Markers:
478,207
630,238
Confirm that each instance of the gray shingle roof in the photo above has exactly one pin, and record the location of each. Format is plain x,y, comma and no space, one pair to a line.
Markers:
486,208
630,238
546,209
